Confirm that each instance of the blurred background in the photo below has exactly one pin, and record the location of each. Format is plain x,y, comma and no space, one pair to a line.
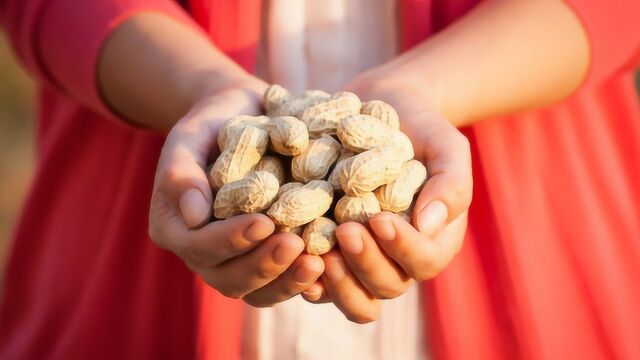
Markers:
17,114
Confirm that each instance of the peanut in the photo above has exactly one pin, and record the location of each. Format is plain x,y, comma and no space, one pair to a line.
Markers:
274,97
367,171
231,128
358,209
364,132
315,161
296,106
239,157
273,165
319,236
323,118
254,193
302,205
371,162
334,177
398,195
288,186
381,111
288,135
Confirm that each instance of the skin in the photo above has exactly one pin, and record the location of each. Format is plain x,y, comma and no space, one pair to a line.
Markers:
440,83
159,74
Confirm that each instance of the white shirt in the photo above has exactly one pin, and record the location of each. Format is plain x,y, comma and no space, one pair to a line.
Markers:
323,44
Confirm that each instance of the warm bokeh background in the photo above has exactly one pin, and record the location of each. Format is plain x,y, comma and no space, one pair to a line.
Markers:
17,113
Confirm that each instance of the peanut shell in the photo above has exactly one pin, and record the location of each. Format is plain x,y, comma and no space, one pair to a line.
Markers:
323,118
274,97
252,194
319,236
288,135
358,209
315,161
302,205
296,106
359,133
273,165
367,171
398,195
232,126
381,111
239,157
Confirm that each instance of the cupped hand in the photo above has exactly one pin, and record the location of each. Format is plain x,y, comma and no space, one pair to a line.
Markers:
381,259
241,257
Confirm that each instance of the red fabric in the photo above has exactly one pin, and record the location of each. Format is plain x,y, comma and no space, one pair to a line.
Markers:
83,279
551,260
547,270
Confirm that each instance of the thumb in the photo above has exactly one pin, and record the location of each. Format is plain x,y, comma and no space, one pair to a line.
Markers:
194,207
181,177
448,191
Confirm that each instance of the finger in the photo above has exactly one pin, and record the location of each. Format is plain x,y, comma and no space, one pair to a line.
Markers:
244,274
449,188
181,180
222,240
181,176
303,273
376,272
316,293
346,292
420,257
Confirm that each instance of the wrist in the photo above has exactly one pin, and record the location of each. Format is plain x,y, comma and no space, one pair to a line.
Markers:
396,82
198,85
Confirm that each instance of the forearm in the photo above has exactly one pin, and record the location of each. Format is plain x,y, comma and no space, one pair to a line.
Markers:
503,57
152,69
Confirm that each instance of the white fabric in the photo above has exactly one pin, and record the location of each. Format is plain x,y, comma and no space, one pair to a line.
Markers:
322,44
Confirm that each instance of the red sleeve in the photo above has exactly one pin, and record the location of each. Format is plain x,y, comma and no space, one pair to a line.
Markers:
59,41
613,28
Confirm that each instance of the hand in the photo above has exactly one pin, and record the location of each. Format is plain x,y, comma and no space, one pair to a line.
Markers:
382,260
241,257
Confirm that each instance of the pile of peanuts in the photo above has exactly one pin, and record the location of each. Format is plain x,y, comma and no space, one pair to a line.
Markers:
309,150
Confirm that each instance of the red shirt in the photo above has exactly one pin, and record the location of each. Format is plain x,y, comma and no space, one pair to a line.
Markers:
550,264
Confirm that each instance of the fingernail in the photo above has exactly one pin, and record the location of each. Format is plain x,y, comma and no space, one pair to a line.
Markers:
306,273
352,242
259,230
383,228
335,269
433,217
286,251
194,207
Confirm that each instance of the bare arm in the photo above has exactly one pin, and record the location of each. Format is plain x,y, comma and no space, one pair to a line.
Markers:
161,74
153,69
502,57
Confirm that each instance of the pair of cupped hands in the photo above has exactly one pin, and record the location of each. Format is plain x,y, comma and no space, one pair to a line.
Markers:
245,258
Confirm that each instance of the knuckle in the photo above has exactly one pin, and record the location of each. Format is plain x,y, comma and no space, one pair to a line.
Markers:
171,175
389,291
227,290
363,317
426,271
266,271
231,293
256,302
461,142
462,192
155,235
290,289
